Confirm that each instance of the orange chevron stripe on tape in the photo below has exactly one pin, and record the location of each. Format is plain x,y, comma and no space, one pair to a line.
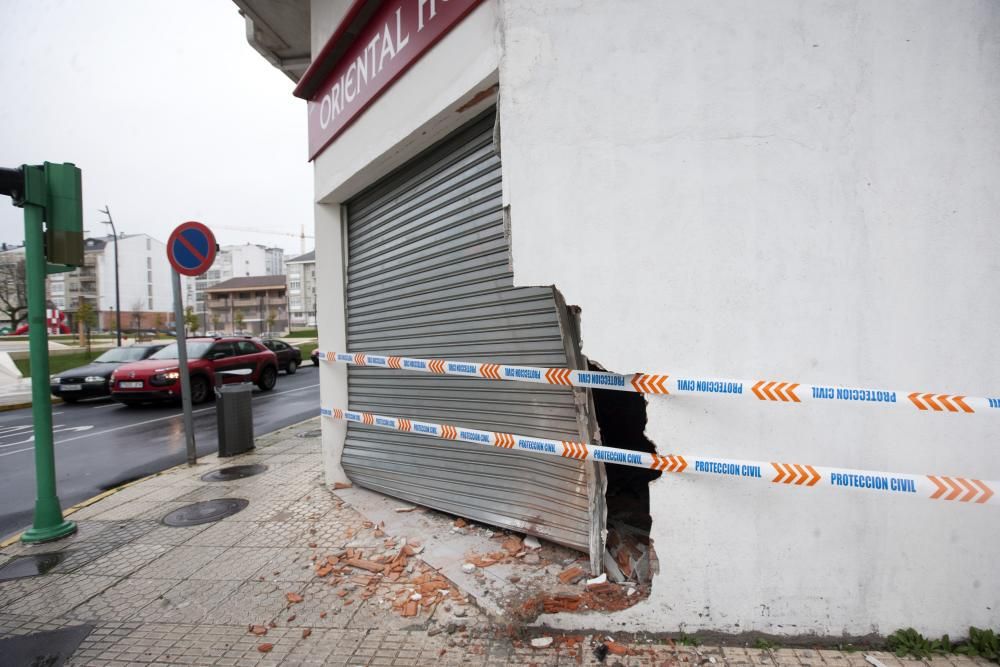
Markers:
958,486
650,384
936,401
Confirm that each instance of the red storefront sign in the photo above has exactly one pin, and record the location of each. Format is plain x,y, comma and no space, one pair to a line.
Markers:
395,37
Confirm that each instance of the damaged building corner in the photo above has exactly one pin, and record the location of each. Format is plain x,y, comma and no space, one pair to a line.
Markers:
629,555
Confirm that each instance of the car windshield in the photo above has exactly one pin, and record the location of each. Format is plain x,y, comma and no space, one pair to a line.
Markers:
195,350
117,355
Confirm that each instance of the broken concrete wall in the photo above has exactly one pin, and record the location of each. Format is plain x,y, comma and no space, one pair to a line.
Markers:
779,190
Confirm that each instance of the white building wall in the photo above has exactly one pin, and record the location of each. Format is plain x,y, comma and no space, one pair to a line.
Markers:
143,270
778,190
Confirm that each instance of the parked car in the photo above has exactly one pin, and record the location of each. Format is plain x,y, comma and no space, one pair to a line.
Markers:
158,378
91,381
314,356
289,358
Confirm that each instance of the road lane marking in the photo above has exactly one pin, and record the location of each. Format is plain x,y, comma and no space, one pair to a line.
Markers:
55,429
150,421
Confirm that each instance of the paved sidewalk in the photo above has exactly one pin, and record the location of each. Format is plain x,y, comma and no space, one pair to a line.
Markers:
298,577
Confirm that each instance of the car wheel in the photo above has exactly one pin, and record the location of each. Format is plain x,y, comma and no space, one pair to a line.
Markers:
292,367
199,389
70,399
268,377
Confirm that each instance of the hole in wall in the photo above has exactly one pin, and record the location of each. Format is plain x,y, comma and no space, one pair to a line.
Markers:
621,418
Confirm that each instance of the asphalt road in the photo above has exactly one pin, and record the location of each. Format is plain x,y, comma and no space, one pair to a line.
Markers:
101,444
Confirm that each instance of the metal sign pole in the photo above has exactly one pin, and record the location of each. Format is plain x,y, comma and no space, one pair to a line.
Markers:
192,455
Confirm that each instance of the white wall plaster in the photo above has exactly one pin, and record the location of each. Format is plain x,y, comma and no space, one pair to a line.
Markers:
778,190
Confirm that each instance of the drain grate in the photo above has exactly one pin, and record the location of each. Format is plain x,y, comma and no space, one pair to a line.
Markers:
233,472
205,512
315,433
30,566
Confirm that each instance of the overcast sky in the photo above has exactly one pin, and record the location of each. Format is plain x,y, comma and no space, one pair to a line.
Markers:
168,111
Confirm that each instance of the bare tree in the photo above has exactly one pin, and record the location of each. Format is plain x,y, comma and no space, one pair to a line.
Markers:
13,291
136,311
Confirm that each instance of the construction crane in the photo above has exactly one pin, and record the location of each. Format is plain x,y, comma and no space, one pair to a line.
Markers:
302,236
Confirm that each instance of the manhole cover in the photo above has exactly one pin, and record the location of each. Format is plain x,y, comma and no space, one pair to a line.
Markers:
315,433
205,512
45,649
233,472
30,566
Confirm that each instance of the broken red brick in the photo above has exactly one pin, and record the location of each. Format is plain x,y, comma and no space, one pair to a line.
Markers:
461,523
363,564
616,648
306,632
265,648
512,545
258,630
572,575
342,485
293,598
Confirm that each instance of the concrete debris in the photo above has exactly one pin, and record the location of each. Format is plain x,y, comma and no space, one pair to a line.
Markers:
541,642
532,559
872,660
405,509
614,572
628,555
468,568
531,542
601,579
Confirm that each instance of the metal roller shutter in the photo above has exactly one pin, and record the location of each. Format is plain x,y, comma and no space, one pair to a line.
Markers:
428,276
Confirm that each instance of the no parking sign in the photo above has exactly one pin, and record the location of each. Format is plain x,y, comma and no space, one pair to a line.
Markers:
191,251
191,248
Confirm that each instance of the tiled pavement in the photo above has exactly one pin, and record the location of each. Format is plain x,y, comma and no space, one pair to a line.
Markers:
187,596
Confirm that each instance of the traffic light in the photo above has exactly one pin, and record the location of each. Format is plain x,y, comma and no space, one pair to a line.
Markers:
63,214
56,188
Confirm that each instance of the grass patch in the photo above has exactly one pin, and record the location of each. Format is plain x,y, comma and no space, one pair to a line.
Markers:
60,363
306,349
303,333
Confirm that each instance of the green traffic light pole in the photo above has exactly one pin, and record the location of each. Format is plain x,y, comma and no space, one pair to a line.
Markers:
40,197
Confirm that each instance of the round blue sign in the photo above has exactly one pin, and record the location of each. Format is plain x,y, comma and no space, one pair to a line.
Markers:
191,248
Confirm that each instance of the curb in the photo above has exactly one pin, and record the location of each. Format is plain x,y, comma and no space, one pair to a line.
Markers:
110,492
90,501
8,407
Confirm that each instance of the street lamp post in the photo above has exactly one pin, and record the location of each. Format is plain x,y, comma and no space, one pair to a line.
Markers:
118,294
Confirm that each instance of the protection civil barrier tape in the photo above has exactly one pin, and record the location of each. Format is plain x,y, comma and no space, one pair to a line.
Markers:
932,487
766,390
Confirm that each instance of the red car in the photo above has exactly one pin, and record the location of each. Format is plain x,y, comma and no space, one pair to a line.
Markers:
157,378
